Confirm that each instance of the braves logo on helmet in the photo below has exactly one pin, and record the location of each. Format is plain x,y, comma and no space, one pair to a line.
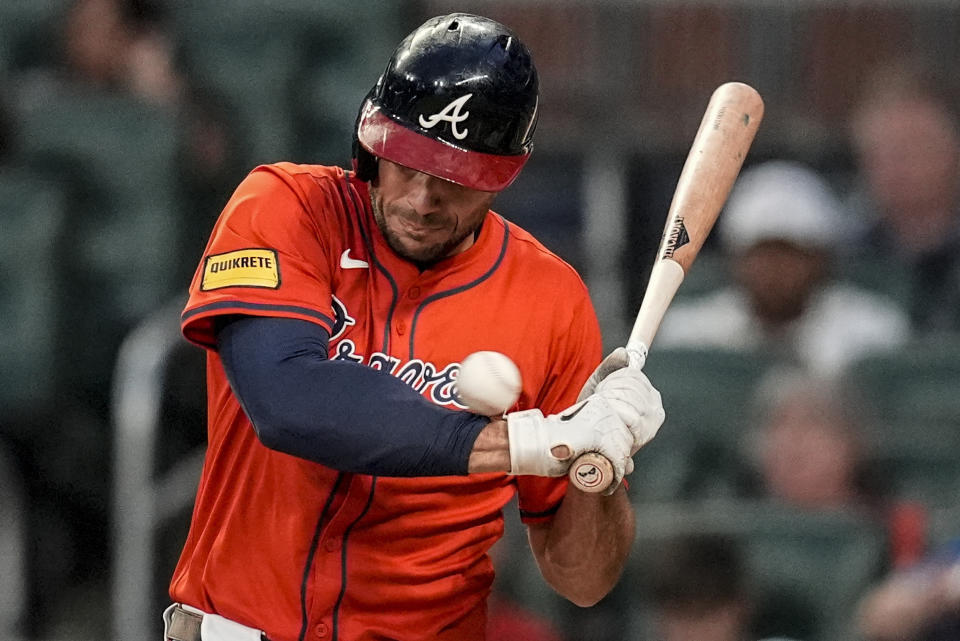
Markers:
450,113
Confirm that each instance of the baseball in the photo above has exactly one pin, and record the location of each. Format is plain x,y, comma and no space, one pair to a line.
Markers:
489,383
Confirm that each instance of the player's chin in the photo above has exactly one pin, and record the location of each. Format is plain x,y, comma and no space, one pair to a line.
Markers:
421,249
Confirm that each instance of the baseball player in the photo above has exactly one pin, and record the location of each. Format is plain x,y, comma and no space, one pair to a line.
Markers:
346,494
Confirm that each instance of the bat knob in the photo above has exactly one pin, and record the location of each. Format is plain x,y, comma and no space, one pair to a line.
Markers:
591,473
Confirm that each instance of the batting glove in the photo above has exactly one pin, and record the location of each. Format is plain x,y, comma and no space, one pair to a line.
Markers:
617,359
637,402
591,425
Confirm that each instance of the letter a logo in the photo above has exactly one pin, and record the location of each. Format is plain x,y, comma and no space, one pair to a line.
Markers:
450,113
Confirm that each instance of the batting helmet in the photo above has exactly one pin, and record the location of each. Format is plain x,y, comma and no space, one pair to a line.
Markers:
458,100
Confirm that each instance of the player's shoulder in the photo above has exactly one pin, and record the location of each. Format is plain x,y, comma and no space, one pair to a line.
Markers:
319,188
325,176
526,249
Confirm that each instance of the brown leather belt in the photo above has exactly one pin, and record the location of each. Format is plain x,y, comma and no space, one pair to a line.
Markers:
185,626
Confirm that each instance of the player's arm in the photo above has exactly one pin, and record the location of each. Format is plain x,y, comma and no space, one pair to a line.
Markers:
337,413
581,552
357,419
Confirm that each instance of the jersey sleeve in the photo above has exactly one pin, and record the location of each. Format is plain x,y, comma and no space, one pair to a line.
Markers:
267,256
577,351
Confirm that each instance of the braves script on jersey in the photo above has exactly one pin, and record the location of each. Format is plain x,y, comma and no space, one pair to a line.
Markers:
303,551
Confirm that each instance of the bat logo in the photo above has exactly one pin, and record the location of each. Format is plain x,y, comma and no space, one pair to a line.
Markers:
450,113
589,475
677,237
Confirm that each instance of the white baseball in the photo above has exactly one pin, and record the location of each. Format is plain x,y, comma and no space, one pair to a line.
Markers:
489,383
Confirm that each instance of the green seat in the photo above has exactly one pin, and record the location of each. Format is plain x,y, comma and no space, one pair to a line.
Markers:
918,465
807,569
124,151
707,395
22,26
32,213
944,525
709,274
919,382
885,277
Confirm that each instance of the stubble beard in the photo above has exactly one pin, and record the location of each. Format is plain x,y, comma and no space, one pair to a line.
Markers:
426,255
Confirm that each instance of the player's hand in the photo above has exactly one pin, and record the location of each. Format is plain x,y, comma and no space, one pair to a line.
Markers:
636,401
615,360
546,446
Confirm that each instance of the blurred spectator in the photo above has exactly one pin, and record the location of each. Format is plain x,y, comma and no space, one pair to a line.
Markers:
906,140
127,47
699,590
920,603
811,449
780,231
120,45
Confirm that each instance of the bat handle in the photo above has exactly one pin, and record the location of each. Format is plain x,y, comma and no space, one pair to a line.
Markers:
592,472
637,355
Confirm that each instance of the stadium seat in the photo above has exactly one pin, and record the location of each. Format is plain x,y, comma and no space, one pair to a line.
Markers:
884,277
806,569
706,395
22,23
918,462
916,383
125,151
33,212
944,525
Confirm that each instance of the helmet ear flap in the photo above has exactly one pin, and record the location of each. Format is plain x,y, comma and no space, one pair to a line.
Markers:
364,163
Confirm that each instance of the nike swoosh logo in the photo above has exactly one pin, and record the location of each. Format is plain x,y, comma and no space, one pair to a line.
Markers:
567,417
352,263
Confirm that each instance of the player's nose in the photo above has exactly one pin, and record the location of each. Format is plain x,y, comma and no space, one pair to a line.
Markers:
424,195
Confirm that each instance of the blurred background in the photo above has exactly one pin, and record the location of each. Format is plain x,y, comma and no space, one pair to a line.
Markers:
809,467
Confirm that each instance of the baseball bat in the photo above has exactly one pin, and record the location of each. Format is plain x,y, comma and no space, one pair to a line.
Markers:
726,132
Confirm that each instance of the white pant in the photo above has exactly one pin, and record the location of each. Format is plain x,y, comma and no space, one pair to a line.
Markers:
214,627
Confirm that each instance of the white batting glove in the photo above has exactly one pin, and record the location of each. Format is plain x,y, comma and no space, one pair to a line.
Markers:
591,425
636,401
617,359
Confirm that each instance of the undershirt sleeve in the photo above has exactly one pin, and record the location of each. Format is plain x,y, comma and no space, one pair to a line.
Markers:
337,413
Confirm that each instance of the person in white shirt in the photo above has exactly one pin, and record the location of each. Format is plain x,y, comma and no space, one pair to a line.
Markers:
779,230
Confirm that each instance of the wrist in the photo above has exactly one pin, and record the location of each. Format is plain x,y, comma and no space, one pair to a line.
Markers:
529,444
491,452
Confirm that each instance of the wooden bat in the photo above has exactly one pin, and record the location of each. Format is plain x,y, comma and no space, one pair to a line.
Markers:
712,165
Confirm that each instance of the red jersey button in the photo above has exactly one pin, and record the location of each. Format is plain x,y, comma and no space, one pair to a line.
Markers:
331,545
321,630
413,292
401,328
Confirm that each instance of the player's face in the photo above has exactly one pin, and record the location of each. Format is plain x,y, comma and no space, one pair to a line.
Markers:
423,218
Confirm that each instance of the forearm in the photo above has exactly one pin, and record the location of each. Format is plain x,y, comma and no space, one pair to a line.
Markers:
340,414
582,551
491,450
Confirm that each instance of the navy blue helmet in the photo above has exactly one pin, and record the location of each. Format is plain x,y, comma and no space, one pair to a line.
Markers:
458,100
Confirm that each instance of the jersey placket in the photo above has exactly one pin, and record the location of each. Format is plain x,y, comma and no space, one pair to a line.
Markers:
410,298
330,576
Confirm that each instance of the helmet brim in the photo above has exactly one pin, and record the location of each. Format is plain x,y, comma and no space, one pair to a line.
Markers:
386,138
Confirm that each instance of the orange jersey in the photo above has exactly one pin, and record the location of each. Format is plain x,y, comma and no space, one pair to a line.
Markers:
301,550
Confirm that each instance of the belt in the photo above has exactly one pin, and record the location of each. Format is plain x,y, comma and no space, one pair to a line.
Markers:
185,626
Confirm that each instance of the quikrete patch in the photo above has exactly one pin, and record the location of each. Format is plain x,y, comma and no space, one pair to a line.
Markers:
241,268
